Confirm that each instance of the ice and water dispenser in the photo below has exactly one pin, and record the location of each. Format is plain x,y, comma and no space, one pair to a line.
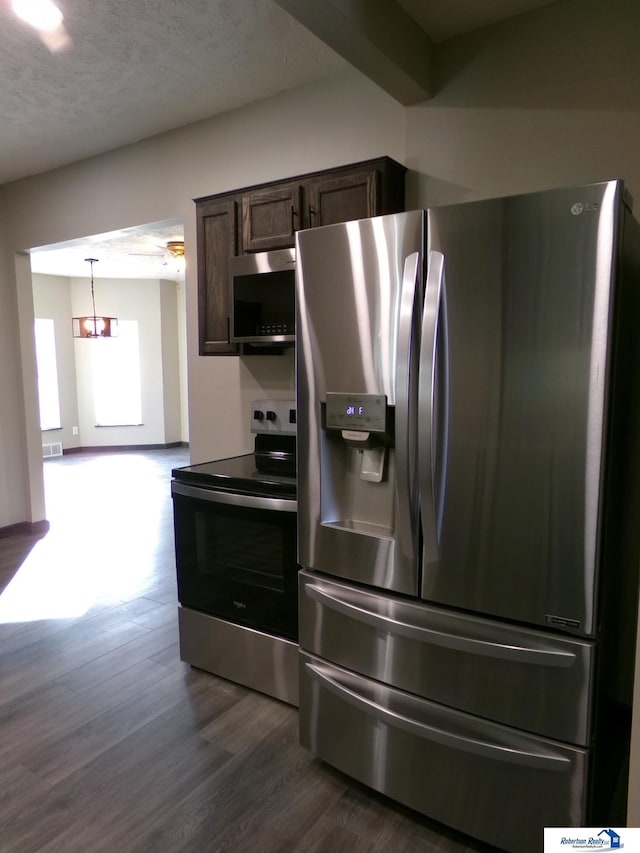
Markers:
358,469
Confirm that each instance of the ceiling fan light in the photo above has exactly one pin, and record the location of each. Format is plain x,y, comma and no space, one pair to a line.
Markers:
176,248
44,15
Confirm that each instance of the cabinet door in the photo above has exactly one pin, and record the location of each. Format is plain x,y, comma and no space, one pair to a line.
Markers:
271,217
217,233
341,198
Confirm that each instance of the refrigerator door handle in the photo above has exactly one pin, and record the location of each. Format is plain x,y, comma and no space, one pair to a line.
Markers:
430,636
404,414
496,751
434,292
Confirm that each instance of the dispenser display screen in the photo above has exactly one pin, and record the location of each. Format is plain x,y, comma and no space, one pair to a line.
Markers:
364,411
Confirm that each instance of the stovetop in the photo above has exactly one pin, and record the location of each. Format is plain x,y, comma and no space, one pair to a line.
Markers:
237,474
269,471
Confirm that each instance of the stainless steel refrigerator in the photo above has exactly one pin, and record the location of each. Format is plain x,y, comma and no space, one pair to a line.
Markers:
468,458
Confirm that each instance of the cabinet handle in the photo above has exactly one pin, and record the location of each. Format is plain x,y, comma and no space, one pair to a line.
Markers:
293,215
312,213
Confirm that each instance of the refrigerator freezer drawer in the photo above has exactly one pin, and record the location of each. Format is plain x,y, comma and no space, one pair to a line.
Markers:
484,779
525,678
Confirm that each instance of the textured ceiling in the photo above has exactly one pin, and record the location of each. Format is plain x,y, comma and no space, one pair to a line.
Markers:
136,68
129,253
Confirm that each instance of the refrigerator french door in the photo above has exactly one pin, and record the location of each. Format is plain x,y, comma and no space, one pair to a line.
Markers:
468,504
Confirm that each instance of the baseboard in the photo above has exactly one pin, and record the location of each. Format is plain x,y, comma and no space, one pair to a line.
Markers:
117,448
25,528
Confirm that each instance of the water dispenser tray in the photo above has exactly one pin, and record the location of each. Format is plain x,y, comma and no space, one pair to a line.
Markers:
364,528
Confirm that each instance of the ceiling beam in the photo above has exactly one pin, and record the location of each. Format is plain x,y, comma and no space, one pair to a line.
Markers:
377,37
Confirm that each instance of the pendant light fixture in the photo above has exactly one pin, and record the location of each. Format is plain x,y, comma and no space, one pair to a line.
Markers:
94,326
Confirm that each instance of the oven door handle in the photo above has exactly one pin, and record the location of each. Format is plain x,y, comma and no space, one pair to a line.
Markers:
234,499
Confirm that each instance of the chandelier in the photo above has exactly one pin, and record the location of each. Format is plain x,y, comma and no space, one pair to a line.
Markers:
94,326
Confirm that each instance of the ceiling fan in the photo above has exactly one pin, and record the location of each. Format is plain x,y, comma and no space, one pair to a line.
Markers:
174,247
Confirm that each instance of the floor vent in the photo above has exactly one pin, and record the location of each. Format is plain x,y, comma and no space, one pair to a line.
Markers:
54,449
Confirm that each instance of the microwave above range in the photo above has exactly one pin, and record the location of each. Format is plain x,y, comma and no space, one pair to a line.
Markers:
263,300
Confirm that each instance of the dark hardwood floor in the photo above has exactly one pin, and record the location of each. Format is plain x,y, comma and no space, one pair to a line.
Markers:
107,741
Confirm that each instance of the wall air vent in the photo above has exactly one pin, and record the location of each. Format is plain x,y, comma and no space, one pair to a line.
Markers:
54,449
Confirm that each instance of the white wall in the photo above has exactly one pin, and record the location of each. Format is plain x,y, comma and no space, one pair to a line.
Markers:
127,300
170,361
155,305
182,351
18,500
52,300
543,100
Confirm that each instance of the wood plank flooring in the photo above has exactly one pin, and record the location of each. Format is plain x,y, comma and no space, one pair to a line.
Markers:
108,742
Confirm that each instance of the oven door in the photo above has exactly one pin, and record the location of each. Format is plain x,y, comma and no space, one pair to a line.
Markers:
236,557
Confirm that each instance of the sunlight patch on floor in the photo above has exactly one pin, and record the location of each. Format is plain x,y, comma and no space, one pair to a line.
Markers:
101,543
44,589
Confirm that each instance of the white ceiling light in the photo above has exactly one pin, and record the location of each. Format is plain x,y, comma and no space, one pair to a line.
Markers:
44,15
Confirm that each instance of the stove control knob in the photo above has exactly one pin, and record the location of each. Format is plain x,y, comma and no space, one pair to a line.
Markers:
258,415
271,415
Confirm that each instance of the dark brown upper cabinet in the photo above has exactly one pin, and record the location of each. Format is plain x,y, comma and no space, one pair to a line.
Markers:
271,217
343,197
267,216
217,241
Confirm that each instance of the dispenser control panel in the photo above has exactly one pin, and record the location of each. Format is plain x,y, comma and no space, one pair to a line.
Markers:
367,412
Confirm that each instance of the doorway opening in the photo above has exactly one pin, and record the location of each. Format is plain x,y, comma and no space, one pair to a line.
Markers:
123,392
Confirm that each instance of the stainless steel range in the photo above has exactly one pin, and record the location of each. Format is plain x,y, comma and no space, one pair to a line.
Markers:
237,571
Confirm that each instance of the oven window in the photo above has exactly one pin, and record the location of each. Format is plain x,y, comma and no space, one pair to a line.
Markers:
241,549
238,563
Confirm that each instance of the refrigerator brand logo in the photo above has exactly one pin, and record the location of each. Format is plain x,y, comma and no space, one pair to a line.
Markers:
240,605
579,207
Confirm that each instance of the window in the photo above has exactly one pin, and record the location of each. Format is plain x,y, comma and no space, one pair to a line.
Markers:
47,370
116,377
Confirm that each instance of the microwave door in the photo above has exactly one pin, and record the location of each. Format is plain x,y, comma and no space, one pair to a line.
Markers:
263,298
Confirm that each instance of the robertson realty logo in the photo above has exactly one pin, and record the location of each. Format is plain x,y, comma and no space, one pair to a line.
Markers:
556,839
